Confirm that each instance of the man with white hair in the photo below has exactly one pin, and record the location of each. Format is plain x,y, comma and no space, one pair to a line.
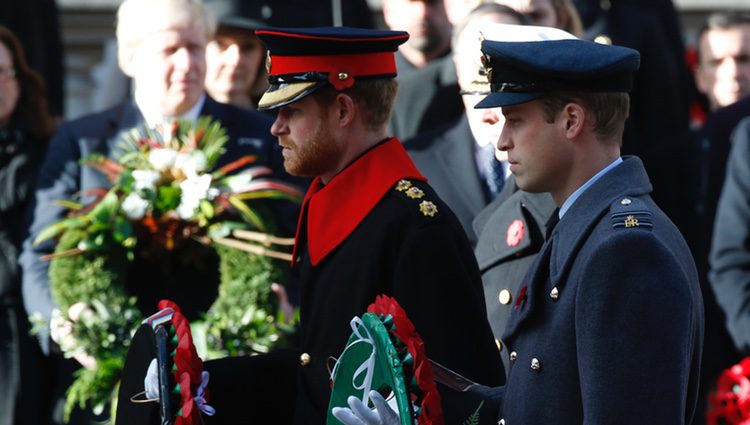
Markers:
161,46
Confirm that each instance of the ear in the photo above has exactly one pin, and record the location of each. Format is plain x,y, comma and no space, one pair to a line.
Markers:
345,109
125,59
573,118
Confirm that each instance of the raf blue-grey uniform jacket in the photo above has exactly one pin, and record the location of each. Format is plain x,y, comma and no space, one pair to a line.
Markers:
609,329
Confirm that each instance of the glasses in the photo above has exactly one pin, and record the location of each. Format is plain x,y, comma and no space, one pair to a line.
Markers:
7,73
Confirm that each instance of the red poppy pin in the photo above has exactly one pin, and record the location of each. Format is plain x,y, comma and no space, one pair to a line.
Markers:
515,232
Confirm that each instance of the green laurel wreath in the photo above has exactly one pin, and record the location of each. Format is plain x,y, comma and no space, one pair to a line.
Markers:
96,246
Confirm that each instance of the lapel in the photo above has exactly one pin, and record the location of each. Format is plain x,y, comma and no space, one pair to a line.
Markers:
454,156
559,253
480,221
522,214
505,233
128,118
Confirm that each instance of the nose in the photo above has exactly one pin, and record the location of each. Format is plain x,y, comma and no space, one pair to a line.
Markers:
279,126
728,68
186,59
232,53
504,143
490,117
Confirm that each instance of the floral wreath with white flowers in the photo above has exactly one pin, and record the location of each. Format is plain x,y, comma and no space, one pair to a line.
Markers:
165,194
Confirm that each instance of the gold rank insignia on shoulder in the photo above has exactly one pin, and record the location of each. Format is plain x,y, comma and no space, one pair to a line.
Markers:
414,192
428,208
403,185
632,219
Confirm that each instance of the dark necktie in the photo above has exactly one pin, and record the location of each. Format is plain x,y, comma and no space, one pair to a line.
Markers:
494,176
551,223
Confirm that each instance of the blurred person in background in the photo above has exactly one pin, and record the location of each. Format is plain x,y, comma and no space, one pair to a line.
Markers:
25,129
235,56
723,48
36,23
459,158
560,14
428,95
722,75
161,46
428,28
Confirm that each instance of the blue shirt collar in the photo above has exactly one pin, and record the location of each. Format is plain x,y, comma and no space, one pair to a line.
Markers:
575,195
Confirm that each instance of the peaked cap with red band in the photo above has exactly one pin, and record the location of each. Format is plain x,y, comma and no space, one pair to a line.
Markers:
301,60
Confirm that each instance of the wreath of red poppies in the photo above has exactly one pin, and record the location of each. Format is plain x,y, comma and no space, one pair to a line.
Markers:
187,369
417,369
729,404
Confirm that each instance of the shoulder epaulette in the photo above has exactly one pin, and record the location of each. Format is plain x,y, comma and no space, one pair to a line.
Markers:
629,213
407,189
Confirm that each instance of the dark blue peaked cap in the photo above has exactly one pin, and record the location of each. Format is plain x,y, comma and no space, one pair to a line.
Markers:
520,72
301,60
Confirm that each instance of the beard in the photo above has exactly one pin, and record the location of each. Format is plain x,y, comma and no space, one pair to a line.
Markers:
318,154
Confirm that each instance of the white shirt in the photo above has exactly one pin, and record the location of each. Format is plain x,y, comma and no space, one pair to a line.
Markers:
154,117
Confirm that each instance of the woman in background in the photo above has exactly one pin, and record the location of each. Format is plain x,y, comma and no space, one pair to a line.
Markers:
25,128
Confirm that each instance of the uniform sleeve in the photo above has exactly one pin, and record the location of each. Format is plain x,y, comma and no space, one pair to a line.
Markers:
58,180
638,332
730,254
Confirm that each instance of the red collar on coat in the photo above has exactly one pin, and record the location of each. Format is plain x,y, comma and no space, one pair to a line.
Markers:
334,210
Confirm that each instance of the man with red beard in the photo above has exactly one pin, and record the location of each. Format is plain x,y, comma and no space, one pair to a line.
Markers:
370,223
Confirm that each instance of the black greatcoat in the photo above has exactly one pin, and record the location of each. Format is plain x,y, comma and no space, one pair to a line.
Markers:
361,236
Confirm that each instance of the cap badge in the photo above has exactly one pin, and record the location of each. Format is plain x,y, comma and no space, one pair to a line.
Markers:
486,69
428,208
515,233
268,62
340,80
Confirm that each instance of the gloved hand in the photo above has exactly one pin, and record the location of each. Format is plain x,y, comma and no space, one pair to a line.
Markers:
359,414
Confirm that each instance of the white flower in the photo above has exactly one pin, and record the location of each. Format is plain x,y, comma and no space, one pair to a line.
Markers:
145,179
194,190
134,207
162,158
191,163
238,182
186,211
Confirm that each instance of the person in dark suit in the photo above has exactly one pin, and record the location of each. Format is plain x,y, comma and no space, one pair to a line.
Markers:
428,95
162,47
614,283
459,159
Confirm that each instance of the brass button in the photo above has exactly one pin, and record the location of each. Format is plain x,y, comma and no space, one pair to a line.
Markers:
535,364
304,359
344,75
603,39
554,294
501,422
504,297
513,356
625,201
499,344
